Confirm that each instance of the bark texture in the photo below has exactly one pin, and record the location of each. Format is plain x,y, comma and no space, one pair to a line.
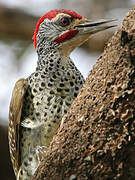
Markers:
97,137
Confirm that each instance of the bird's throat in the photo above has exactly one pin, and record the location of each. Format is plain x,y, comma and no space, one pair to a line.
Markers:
52,61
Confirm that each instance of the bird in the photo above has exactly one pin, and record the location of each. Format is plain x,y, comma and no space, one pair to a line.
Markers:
39,102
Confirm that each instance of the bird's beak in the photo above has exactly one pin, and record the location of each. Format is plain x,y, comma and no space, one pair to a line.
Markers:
91,27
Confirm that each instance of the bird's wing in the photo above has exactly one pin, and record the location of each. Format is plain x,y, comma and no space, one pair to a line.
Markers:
14,121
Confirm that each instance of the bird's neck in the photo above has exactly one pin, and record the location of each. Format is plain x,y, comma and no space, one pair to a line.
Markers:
51,60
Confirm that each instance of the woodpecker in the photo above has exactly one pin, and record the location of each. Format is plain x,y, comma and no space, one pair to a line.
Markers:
40,101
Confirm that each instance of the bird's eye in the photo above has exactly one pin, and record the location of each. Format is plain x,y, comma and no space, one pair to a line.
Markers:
65,21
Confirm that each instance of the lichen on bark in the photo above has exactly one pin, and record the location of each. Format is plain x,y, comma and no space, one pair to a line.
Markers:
97,137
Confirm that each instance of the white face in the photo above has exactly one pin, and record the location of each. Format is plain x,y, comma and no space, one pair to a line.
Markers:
52,29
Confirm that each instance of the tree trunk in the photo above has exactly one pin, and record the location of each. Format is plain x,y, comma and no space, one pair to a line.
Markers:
97,136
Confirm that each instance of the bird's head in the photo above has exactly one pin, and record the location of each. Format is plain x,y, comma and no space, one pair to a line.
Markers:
65,29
